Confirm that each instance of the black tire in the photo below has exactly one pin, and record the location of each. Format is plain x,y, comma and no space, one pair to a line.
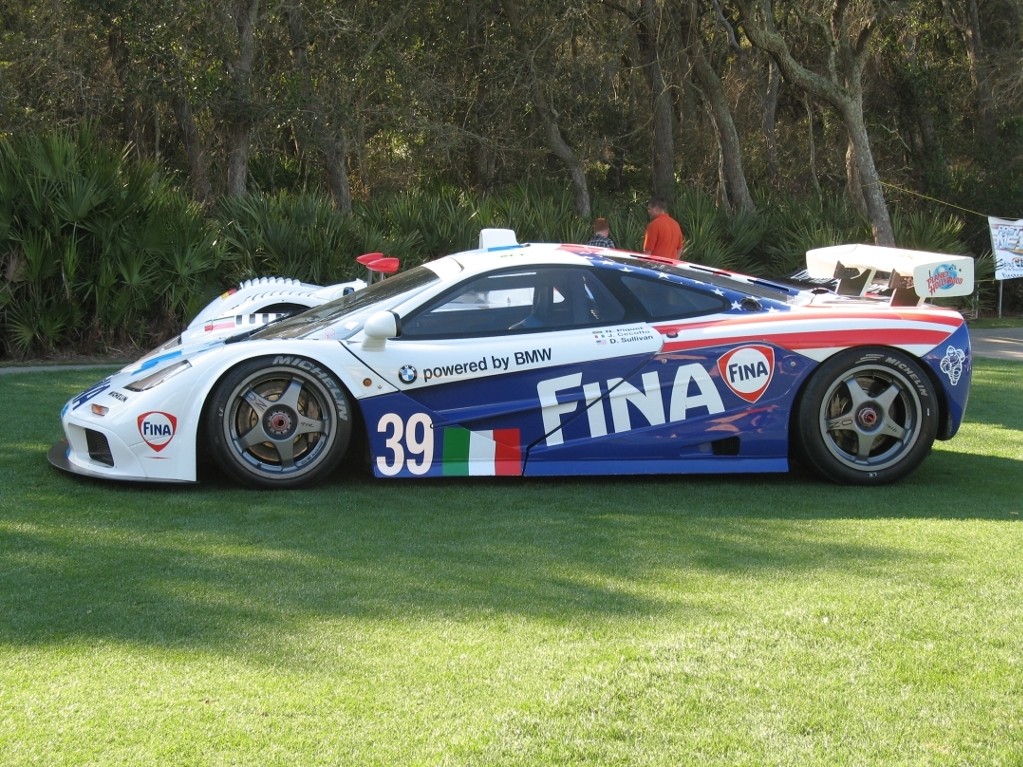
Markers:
279,422
867,417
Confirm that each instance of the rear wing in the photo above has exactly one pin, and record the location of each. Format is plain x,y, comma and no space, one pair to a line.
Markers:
378,266
912,276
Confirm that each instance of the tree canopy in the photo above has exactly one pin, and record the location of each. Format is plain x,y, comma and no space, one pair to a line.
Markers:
744,99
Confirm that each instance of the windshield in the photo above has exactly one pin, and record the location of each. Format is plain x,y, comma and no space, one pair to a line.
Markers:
354,306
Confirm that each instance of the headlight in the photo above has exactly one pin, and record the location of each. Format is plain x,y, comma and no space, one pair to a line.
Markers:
157,378
167,345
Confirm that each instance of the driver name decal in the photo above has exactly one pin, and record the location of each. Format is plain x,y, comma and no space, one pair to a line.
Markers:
625,335
157,429
748,371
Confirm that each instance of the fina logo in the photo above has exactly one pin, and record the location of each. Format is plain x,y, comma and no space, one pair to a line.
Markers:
157,429
748,371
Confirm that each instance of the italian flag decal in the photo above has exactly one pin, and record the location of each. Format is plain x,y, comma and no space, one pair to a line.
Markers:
492,453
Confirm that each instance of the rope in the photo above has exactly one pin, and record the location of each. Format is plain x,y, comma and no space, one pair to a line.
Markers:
934,199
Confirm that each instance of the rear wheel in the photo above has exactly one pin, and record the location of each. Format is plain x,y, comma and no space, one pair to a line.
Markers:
867,417
279,424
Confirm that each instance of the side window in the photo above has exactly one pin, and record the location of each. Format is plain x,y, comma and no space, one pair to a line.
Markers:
570,298
525,300
664,299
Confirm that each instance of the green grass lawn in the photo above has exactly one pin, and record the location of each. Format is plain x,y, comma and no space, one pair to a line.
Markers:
669,621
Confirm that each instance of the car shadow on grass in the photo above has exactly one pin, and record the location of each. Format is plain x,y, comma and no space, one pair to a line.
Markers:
217,567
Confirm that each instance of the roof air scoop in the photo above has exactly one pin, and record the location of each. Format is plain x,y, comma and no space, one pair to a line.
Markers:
497,238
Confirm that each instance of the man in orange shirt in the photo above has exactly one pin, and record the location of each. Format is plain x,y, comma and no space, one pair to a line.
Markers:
663,234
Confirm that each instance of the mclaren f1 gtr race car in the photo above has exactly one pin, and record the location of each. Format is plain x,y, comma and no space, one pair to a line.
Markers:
260,301
540,360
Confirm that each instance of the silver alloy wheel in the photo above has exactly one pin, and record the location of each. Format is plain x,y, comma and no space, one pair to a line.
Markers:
279,425
867,416
870,418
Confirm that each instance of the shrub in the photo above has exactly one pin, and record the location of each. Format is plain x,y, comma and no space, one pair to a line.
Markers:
98,249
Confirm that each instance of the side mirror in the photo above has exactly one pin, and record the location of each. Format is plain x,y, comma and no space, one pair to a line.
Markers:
379,327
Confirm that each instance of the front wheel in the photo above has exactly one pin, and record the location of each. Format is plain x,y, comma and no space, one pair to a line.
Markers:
867,417
278,424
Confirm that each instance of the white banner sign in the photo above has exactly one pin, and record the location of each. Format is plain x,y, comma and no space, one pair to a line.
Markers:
1007,245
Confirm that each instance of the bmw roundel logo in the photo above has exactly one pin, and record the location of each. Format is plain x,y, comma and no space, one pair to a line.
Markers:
407,374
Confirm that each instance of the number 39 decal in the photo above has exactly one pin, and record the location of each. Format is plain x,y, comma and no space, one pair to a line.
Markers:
408,444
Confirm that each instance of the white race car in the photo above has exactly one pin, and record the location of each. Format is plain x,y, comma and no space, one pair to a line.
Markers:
260,301
548,359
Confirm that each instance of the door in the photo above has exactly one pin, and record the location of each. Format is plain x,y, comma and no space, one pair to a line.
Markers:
497,366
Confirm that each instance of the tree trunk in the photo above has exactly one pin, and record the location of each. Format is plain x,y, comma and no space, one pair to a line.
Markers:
198,169
842,89
735,190
811,147
853,184
922,136
241,118
315,127
965,16
562,150
867,181
663,135
134,112
237,159
337,172
552,131
771,96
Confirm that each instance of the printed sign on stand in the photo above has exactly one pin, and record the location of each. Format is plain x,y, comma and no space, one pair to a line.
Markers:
1007,245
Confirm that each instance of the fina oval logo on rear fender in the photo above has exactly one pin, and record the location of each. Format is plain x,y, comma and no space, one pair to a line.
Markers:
157,429
748,370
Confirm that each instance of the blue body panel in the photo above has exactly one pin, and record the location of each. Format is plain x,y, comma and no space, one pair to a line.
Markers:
952,366
669,413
